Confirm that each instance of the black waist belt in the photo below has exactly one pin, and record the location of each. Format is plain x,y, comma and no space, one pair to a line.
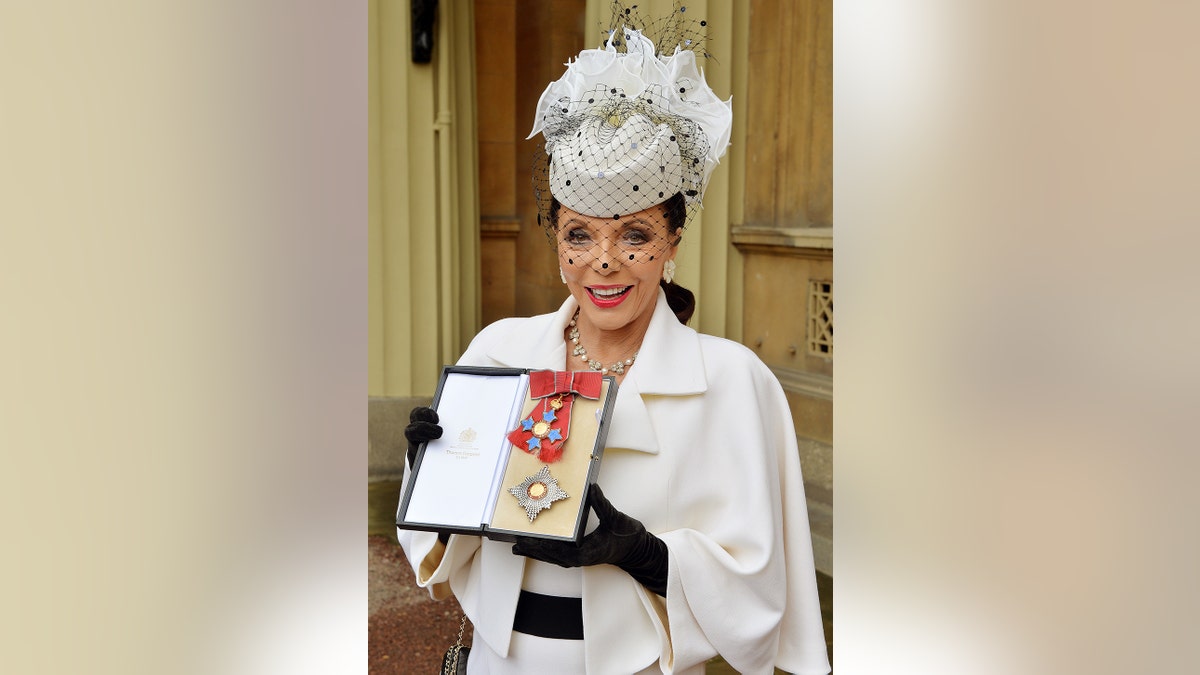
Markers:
549,616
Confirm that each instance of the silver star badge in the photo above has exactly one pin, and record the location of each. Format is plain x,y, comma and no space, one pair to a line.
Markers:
537,492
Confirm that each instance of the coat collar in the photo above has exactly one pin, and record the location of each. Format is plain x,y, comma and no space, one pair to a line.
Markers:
539,345
669,363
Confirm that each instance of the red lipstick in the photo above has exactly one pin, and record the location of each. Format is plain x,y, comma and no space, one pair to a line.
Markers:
606,297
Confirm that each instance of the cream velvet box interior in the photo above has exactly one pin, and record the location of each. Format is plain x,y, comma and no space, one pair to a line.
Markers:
474,480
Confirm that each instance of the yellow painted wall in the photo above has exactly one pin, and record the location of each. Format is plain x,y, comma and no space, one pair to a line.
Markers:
423,215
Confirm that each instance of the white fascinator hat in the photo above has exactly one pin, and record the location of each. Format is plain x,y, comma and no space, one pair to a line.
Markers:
628,128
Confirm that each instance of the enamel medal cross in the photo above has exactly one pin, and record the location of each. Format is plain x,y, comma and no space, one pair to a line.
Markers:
543,429
544,432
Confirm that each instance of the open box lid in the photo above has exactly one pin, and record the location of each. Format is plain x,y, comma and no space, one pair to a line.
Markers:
475,480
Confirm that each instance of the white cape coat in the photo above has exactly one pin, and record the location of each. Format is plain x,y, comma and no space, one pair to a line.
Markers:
702,450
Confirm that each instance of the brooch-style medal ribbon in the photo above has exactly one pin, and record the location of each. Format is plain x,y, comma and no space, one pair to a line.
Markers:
537,492
544,432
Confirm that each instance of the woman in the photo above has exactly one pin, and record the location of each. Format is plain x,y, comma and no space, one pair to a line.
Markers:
699,543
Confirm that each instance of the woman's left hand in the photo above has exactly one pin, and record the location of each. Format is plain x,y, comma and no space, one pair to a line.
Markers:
618,540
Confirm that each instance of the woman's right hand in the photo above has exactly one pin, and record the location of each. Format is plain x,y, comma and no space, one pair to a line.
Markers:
422,428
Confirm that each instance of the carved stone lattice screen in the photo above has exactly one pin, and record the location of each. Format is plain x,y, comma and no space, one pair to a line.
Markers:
820,318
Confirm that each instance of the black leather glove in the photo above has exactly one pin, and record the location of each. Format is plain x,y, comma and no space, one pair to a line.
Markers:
422,428
618,540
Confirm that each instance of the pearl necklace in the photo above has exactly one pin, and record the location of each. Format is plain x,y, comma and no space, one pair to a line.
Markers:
580,351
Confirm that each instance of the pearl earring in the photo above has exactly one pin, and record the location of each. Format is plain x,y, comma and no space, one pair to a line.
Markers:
562,276
669,271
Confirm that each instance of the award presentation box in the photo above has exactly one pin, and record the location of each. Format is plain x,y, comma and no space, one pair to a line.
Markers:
475,480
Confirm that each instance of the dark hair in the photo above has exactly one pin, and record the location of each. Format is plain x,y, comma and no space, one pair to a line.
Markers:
681,300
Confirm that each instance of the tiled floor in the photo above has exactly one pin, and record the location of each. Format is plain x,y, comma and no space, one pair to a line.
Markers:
392,602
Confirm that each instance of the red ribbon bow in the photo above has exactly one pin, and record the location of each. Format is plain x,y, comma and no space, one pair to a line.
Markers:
544,383
545,431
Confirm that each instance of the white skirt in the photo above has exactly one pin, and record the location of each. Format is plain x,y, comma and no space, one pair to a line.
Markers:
532,654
